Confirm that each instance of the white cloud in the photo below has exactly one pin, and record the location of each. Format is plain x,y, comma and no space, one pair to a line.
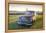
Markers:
21,7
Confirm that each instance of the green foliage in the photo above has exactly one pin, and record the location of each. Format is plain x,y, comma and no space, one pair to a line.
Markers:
38,24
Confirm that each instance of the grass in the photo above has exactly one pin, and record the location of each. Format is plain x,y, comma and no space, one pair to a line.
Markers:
38,24
12,18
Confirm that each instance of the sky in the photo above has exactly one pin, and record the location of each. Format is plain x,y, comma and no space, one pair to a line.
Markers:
22,7
29,0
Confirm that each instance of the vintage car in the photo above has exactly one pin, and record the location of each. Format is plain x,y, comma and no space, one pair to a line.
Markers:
26,20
